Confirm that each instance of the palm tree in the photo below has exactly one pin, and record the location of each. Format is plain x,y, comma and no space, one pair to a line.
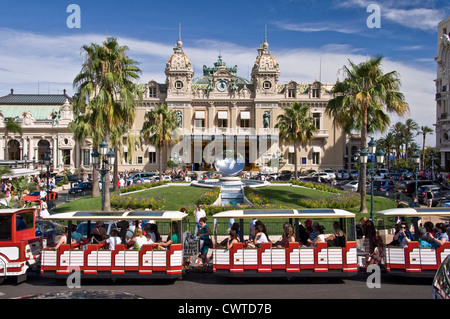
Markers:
399,131
107,92
387,143
365,90
296,126
158,128
11,126
424,130
410,127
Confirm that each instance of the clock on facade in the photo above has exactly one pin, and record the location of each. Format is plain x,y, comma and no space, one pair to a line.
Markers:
222,85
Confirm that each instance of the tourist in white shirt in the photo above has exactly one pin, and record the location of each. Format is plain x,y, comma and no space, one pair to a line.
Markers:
198,213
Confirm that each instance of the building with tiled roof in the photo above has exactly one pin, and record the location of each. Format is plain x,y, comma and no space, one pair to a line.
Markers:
220,105
44,119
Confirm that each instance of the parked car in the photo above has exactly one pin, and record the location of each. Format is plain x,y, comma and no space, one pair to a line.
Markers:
353,186
331,173
144,176
423,190
441,197
340,185
382,172
35,196
81,187
343,174
441,281
316,177
410,188
354,174
384,185
164,178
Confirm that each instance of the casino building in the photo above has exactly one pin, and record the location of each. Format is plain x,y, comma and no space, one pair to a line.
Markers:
216,110
220,107
443,93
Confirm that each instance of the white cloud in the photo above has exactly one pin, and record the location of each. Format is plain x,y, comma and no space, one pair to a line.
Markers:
26,58
406,13
315,27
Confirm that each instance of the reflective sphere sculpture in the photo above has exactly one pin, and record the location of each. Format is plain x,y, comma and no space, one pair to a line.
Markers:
226,164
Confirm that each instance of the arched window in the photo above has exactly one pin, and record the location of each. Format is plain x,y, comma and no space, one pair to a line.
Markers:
14,150
43,145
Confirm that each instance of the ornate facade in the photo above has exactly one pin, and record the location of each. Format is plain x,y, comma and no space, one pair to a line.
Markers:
44,120
220,107
442,93
216,110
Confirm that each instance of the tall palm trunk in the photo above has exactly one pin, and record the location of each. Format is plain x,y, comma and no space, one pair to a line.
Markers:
116,171
106,184
295,161
362,168
95,188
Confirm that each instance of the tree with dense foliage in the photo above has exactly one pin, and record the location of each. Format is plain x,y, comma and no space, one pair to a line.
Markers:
106,92
158,128
366,94
296,126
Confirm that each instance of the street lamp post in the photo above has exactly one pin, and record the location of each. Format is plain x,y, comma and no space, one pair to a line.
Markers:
432,157
47,163
377,157
107,160
416,159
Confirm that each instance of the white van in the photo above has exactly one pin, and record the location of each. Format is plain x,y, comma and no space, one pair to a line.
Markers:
145,176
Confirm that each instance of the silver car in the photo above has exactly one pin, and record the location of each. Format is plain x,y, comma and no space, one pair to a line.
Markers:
441,281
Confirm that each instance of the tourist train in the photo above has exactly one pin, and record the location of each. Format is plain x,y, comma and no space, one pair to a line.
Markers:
22,248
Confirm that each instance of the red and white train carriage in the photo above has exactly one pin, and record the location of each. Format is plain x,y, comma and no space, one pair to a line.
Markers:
96,262
294,261
19,246
413,260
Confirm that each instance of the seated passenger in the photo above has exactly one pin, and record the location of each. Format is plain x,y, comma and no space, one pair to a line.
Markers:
315,231
113,239
337,239
98,233
171,239
441,235
63,239
404,236
395,242
137,240
289,237
320,238
423,239
233,239
303,235
281,241
260,237
429,227
75,235
235,227
152,233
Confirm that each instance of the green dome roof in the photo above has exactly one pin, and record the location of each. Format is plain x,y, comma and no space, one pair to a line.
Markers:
204,79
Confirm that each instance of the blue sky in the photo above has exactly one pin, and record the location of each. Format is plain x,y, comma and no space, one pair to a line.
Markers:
310,39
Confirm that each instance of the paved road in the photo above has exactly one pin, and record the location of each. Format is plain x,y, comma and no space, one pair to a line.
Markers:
201,286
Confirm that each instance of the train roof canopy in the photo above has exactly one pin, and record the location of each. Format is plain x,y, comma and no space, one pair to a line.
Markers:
285,213
416,212
118,215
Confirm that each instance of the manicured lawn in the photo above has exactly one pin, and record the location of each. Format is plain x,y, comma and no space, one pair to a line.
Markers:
176,197
289,196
